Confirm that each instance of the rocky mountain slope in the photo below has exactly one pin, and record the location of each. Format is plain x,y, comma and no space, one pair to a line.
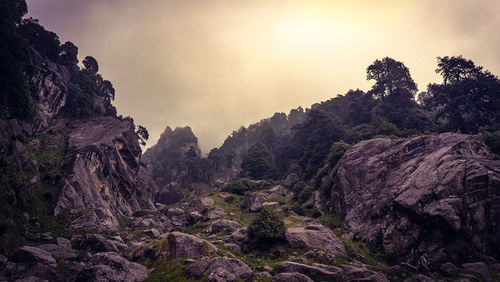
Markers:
79,202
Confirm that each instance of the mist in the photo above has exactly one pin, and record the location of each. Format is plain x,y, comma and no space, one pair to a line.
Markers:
218,65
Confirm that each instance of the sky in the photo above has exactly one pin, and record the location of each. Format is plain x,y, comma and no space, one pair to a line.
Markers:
217,65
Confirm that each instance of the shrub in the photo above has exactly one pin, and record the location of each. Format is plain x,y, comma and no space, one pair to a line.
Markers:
267,229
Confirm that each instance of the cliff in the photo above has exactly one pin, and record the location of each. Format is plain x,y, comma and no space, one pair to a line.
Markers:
430,194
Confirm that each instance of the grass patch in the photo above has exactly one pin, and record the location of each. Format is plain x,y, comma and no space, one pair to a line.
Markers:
233,208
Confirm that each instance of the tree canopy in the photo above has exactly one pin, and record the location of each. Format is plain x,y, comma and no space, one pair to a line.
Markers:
391,78
258,163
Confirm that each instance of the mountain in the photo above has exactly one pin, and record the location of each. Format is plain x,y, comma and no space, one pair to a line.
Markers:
175,163
367,186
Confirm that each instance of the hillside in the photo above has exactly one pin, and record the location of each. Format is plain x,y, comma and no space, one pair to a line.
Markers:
383,185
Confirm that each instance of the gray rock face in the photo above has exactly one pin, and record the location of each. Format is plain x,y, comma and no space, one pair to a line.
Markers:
291,277
315,236
254,202
51,82
324,272
232,265
106,176
184,245
29,253
416,195
110,266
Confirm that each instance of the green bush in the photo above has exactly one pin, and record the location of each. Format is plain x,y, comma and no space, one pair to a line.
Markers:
305,194
267,229
258,163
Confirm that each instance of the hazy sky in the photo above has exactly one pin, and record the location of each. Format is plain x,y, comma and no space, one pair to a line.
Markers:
217,65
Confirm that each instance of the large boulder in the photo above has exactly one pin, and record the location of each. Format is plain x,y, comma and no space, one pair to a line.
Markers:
223,225
183,245
96,243
110,266
34,254
318,271
314,236
421,195
254,202
60,251
236,267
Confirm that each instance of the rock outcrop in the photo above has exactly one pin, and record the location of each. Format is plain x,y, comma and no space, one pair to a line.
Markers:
421,195
314,236
106,176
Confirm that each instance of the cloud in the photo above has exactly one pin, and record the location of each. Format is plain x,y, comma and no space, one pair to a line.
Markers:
217,65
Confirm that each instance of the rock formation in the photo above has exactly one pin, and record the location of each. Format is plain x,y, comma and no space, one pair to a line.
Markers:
428,194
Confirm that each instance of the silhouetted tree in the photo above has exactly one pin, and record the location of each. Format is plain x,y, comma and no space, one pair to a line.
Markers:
258,163
391,78
44,41
468,99
142,134
91,64
68,54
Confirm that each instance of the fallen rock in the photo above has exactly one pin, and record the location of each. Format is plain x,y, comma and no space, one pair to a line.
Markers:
201,203
315,236
220,275
60,251
264,274
254,202
216,212
29,253
331,273
232,247
223,225
479,269
110,266
194,217
197,270
291,277
361,272
63,242
183,245
238,236
96,243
